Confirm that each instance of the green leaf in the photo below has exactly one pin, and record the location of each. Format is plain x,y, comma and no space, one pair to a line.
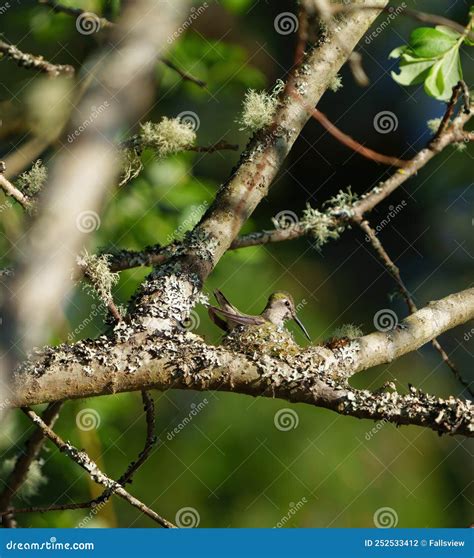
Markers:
432,57
412,73
426,42
449,31
444,75
434,82
397,52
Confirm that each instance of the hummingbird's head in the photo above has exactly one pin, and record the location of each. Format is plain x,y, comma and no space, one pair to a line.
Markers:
280,308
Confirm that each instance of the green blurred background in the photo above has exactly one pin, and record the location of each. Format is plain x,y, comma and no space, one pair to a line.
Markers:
230,463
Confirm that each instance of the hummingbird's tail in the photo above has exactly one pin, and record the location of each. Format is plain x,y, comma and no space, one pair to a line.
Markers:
224,303
212,311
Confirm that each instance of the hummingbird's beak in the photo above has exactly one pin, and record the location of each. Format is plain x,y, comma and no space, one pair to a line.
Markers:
300,323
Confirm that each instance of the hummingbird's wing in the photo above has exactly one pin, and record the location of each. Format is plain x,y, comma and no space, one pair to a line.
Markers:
224,303
241,319
216,319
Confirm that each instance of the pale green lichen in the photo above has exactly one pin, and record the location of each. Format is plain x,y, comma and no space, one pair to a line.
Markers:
97,271
168,136
351,331
34,479
328,225
131,165
433,124
32,181
336,83
342,200
460,146
259,108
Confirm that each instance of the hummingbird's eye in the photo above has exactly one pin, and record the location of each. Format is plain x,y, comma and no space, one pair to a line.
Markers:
287,303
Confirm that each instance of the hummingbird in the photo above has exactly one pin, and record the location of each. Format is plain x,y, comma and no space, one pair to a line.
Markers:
280,307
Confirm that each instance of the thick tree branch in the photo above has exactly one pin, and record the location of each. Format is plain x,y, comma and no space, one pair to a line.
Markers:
317,375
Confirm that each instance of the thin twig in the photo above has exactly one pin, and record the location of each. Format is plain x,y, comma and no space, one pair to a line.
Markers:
83,460
44,509
107,24
347,140
445,121
76,12
219,146
302,38
150,441
395,273
22,464
35,62
453,133
184,75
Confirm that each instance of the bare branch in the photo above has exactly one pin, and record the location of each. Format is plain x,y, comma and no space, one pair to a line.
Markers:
84,461
150,441
104,23
219,146
395,272
452,134
76,12
347,140
184,75
34,62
